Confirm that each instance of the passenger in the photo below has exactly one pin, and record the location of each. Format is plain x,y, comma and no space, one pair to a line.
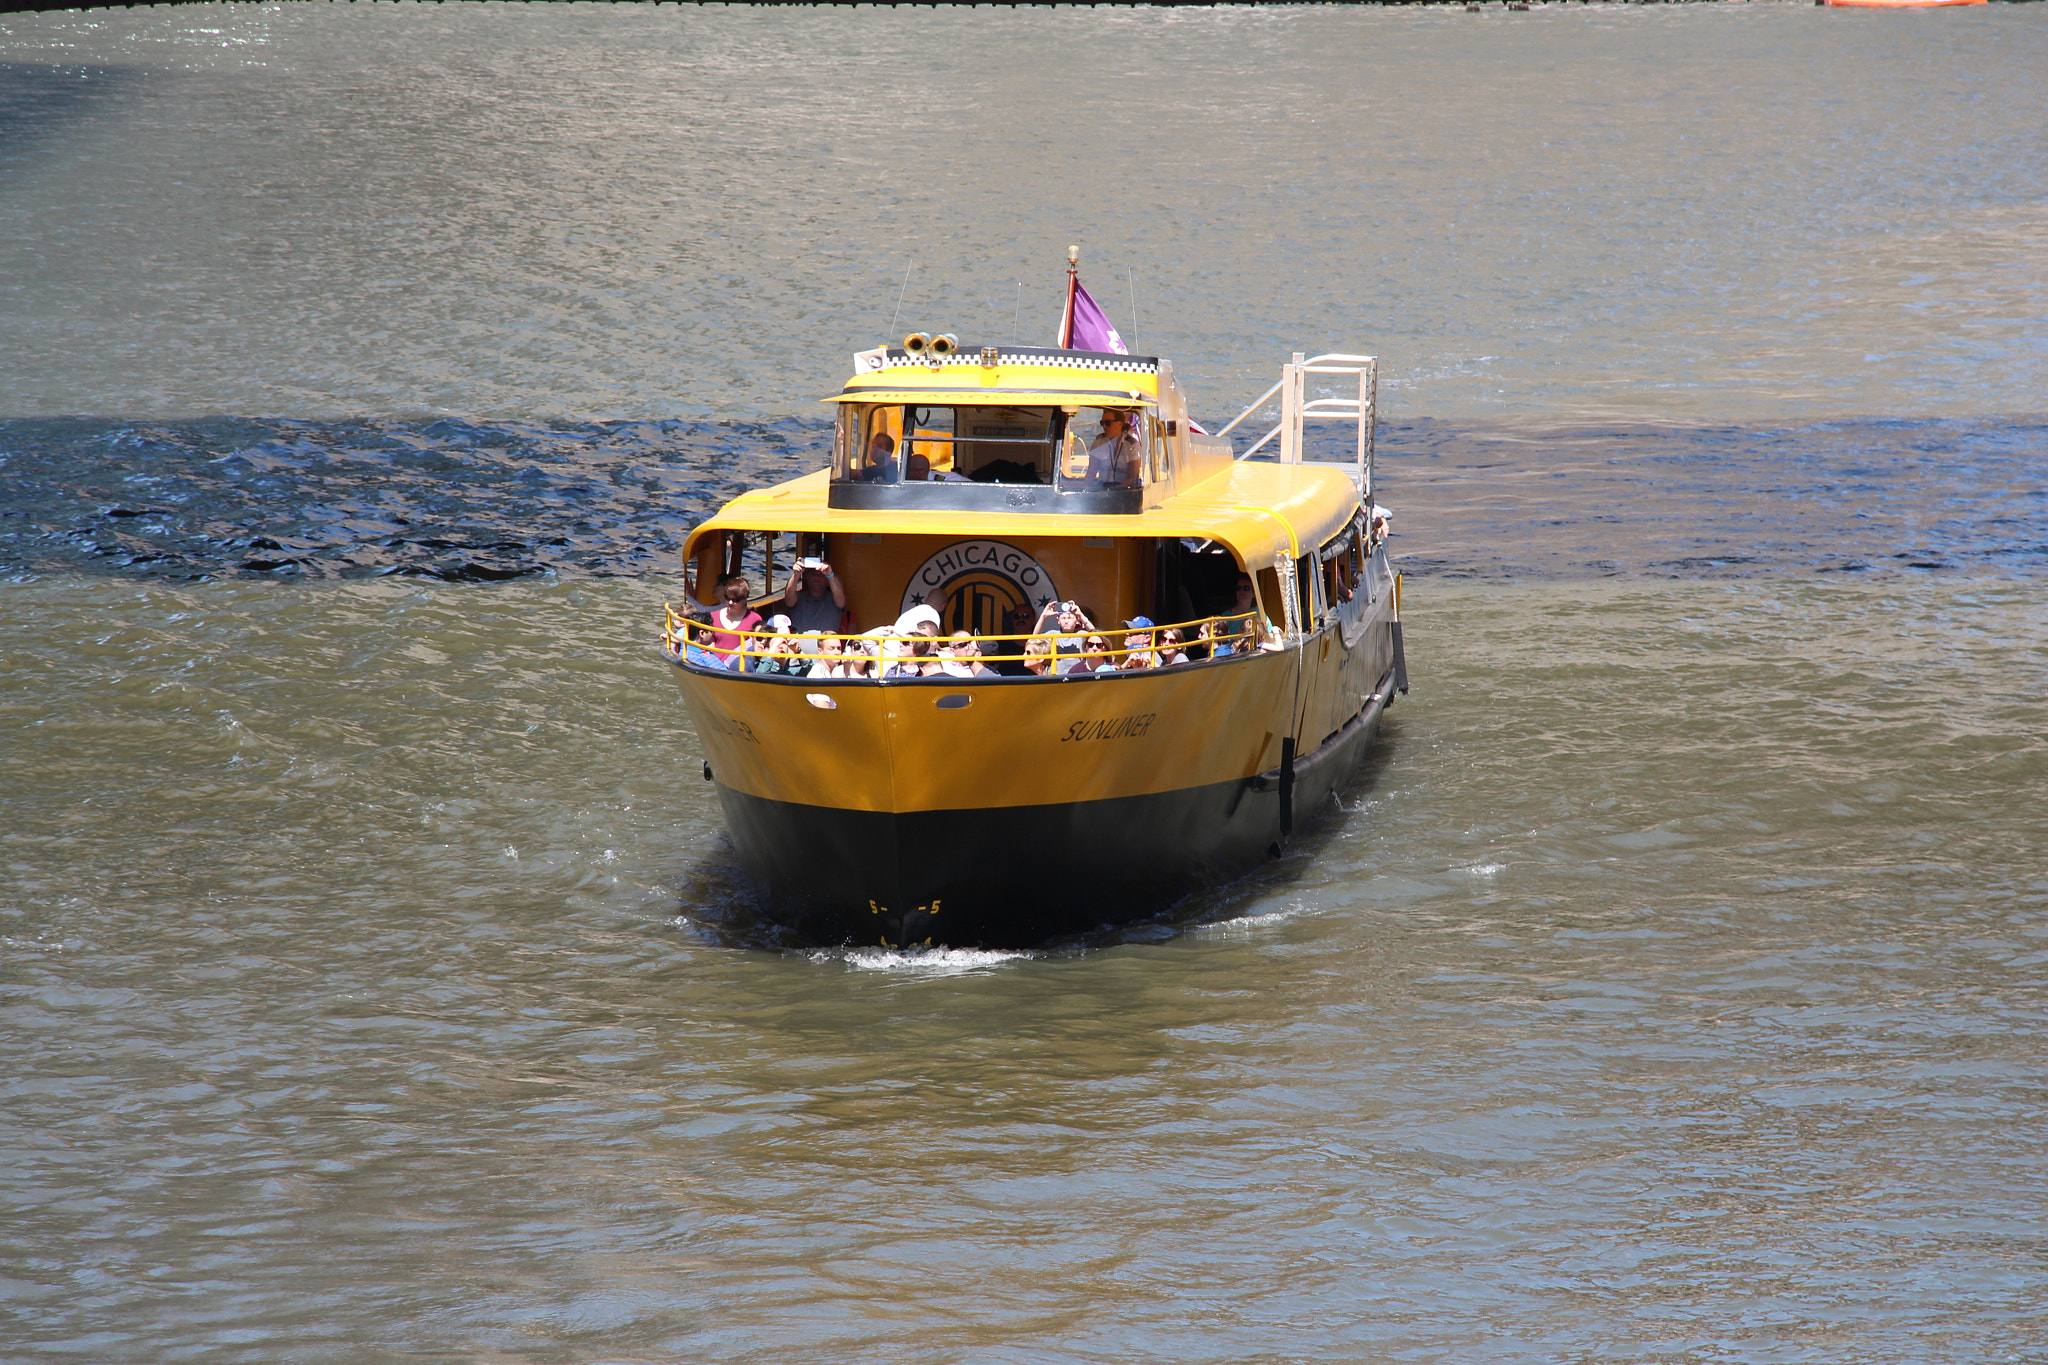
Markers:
1242,634
920,657
1065,617
1038,656
878,649
1138,644
1243,608
1094,658
1113,460
1171,647
923,660
784,657
831,658
695,636
882,644
1006,655
962,657
862,655
716,598
1068,619
881,462
1246,624
1210,642
918,467
730,622
815,599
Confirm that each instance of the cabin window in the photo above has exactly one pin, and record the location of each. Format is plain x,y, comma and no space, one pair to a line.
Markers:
1161,447
1343,565
763,558
1308,581
896,443
1091,449
1271,604
1106,448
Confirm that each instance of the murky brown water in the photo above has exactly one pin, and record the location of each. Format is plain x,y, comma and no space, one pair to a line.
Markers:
1672,990
371,970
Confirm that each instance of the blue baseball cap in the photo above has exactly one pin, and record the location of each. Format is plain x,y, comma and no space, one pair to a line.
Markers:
1138,623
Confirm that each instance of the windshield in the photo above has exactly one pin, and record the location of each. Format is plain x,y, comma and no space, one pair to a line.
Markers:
890,443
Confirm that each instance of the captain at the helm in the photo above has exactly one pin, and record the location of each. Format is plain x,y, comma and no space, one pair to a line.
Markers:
1114,461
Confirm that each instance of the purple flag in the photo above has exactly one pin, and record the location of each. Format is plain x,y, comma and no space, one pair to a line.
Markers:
1092,331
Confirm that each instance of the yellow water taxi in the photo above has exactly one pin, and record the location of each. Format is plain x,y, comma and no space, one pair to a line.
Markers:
1035,653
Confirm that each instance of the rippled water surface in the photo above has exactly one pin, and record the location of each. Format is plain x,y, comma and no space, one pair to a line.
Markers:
1670,989
375,983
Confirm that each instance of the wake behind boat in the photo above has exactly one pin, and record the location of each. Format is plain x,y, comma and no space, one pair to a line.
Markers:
1036,653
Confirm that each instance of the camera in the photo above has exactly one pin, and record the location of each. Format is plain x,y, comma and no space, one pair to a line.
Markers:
811,563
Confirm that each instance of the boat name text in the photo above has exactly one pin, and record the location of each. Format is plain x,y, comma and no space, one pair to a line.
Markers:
732,729
1117,727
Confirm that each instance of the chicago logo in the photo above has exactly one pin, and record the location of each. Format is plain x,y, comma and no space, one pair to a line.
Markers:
977,583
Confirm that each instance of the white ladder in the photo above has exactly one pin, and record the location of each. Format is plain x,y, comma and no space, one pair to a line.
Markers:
1297,407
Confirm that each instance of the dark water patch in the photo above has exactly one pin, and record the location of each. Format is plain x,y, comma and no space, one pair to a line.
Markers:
482,502
1539,500
41,101
457,501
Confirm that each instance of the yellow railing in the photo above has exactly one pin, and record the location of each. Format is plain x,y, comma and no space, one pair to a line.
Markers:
880,650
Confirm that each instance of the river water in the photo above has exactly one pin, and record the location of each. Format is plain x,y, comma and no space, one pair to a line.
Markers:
374,980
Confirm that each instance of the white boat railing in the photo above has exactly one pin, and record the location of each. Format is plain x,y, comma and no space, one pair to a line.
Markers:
1296,407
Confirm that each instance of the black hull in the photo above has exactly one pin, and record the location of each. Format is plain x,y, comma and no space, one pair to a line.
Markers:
1016,876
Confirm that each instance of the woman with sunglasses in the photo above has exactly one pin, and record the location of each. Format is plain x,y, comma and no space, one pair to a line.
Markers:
1094,657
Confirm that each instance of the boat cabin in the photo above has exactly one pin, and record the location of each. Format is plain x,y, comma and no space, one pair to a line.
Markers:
994,482
1015,429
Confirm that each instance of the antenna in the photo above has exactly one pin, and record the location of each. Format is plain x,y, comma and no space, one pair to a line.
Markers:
1132,275
895,316
1016,315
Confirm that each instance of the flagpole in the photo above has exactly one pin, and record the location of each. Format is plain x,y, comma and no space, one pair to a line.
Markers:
1067,314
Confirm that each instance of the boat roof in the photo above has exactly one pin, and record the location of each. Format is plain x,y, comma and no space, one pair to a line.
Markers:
1263,512
1003,376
